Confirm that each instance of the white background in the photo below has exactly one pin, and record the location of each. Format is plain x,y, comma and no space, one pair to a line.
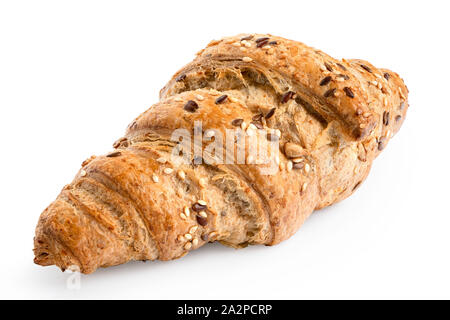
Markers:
73,74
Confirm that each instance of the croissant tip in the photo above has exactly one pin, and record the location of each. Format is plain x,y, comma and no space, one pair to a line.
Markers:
47,255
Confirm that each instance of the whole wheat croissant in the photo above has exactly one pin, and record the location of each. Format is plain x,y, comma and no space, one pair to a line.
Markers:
330,117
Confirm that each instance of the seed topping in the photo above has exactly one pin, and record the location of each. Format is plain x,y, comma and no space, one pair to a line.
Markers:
261,39
341,66
191,106
181,174
325,81
221,99
198,207
161,160
270,113
237,122
180,78
202,220
386,118
330,93
114,154
193,229
287,96
298,165
366,68
348,91
381,143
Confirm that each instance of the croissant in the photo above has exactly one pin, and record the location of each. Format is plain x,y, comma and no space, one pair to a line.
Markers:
328,120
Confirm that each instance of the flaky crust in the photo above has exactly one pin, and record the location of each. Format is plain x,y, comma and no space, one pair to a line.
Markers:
331,118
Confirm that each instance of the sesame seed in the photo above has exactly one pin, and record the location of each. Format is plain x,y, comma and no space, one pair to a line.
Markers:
289,165
252,126
187,212
188,236
178,99
297,160
168,170
155,178
250,131
181,238
307,168
247,59
199,97
188,245
181,174
210,133
201,202
246,43
212,234
236,44
193,229
203,182
323,68
161,160
366,114
278,133
304,186
195,242
203,214
83,173
183,216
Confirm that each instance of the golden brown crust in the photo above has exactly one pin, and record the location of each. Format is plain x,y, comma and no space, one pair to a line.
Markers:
331,118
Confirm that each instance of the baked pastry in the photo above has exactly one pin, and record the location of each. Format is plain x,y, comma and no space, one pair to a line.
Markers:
328,118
